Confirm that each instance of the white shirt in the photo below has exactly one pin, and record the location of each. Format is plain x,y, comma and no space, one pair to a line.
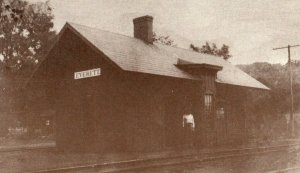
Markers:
188,119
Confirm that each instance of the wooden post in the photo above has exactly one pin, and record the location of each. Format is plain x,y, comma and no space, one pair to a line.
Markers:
291,125
291,93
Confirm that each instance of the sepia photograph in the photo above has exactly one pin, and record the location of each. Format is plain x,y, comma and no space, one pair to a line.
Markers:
149,86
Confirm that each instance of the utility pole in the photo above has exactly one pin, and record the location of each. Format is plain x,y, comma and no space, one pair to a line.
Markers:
292,128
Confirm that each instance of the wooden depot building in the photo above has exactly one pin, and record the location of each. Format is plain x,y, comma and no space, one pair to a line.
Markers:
112,92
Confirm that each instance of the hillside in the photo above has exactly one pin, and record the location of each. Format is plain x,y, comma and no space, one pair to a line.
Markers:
276,77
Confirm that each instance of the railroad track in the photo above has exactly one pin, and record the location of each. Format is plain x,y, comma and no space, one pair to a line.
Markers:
287,170
198,157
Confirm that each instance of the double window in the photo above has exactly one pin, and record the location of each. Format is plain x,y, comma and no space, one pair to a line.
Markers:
208,103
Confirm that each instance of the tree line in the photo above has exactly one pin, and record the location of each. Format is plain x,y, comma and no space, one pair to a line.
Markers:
207,48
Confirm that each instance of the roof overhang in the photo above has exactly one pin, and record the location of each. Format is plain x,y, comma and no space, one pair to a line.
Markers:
186,65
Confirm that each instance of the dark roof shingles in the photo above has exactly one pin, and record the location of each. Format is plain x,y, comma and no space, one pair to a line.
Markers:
132,54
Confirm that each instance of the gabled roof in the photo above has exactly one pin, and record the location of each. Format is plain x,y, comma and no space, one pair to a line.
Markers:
132,54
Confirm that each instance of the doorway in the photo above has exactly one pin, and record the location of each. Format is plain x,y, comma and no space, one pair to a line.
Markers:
173,121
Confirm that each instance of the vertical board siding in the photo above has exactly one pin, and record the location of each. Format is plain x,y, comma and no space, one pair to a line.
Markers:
128,111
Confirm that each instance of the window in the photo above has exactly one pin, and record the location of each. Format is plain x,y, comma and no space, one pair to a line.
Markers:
47,122
208,103
220,113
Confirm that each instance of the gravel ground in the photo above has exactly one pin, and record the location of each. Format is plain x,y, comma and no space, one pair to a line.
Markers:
20,142
251,164
19,162
28,161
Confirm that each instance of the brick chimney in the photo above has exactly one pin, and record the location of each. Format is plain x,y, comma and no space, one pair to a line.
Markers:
143,28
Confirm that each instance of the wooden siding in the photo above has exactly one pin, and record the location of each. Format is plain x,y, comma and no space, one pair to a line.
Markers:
125,111
233,100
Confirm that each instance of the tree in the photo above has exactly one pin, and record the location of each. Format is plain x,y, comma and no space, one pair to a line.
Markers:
276,77
213,50
166,40
25,29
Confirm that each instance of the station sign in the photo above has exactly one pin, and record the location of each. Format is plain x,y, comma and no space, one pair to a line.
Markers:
87,73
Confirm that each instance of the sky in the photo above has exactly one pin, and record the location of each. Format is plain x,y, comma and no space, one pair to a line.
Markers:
251,28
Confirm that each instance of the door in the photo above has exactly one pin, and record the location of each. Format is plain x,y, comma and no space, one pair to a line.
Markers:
220,125
173,122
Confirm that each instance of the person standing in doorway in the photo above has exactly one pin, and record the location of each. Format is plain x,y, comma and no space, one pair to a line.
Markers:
188,125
